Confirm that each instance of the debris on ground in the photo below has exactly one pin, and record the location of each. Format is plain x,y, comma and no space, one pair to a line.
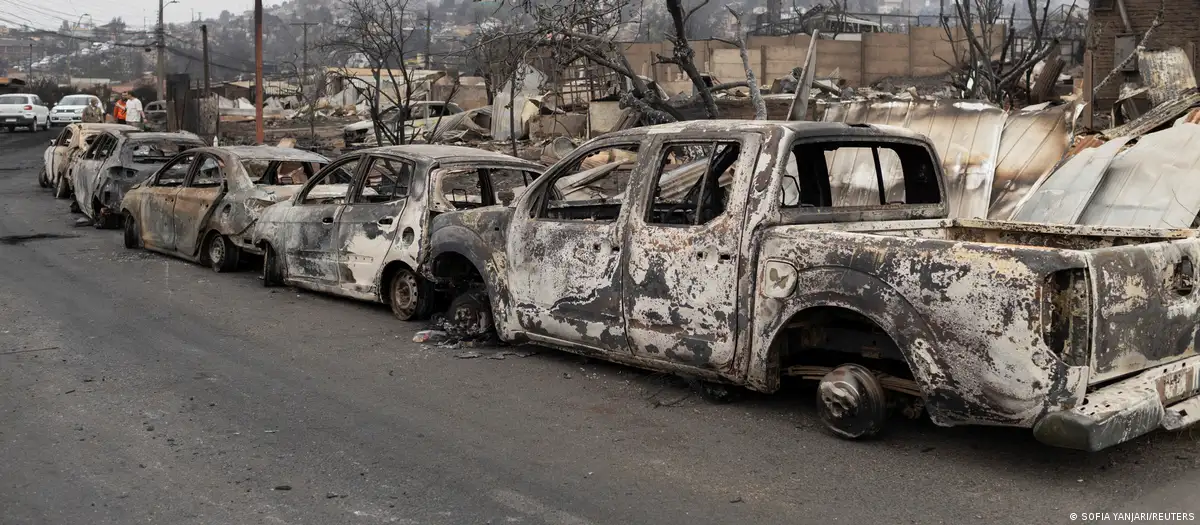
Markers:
429,336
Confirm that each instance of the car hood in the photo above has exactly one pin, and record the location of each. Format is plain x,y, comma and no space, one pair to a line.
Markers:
64,109
360,125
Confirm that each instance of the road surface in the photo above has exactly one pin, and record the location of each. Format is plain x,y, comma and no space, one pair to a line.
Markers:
136,388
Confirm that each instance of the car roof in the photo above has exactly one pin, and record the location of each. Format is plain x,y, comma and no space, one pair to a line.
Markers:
159,135
802,128
445,154
269,153
97,126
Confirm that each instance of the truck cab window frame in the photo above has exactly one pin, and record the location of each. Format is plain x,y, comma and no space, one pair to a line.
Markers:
706,198
613,162
814,168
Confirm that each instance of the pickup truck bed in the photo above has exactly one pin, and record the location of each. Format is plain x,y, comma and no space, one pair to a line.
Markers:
1113,316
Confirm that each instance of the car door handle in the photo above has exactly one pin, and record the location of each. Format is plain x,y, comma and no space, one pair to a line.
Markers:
327,220
385,220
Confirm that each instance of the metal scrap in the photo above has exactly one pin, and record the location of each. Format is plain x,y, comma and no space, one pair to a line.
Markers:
1156,117
1139,185
1032,143
1167,74
1063,195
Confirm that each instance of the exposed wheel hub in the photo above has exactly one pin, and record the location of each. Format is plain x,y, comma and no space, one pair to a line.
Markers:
852,402
216,251
404,294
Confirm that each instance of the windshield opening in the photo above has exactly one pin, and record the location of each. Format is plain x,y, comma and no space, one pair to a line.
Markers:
156,150
74,100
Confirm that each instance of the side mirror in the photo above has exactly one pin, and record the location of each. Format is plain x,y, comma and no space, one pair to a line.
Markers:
51,142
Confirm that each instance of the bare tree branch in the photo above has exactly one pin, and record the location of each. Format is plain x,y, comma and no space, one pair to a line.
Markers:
760,106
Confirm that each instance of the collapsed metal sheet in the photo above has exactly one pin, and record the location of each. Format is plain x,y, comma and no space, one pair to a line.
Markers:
965,134
1033,142
1151,184
1158,116
1167,73
1064,194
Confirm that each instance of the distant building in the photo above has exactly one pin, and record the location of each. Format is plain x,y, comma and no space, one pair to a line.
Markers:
1112,41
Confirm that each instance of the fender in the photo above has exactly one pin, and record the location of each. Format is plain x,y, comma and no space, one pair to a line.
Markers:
961,386
488,261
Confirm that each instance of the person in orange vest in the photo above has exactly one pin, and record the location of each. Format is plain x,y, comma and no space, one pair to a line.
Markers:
119,111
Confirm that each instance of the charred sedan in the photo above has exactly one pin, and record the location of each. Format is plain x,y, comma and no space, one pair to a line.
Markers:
358,228
65,149
117,160
203,203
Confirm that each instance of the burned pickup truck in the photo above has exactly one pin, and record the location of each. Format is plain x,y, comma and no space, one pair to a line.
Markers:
746,252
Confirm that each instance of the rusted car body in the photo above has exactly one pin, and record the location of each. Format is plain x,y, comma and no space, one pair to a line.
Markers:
1088,335
358,228
114,162
65,149
202,204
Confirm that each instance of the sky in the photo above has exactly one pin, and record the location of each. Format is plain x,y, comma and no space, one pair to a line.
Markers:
135,13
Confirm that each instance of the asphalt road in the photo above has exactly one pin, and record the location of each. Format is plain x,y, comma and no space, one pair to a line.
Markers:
135,388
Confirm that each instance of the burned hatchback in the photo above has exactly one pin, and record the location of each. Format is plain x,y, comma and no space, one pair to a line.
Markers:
203,203
358,228
115,162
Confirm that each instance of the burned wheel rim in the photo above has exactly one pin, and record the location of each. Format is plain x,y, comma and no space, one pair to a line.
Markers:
852,402
216,252
406,295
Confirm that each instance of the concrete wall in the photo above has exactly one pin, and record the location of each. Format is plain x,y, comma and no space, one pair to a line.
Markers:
924,51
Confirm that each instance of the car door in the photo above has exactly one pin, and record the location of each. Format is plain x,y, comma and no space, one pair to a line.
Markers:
85,172
564,249
307,238
683,257
367,225
195,200
158,204
56,153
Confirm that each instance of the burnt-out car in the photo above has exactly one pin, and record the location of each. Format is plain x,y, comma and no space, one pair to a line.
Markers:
750,252
358,228
114,163
204,202
65,149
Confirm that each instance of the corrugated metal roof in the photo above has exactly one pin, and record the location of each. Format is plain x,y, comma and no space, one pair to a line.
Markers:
1149,184
1152,184
1032,144
965,134
1065,194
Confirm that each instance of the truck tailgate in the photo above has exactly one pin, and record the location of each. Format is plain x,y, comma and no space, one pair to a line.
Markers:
1147,306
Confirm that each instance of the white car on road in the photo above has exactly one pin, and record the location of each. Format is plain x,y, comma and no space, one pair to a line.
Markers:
25,111
70,109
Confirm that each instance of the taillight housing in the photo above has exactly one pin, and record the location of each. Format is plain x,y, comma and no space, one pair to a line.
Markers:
28,108
1067,314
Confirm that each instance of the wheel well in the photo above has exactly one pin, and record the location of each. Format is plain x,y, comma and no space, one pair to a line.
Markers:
831,336
455,267
385,281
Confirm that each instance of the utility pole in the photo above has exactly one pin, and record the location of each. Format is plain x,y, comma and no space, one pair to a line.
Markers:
258,74
29,80
312,133
304,67
428,34
162,57
204,38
